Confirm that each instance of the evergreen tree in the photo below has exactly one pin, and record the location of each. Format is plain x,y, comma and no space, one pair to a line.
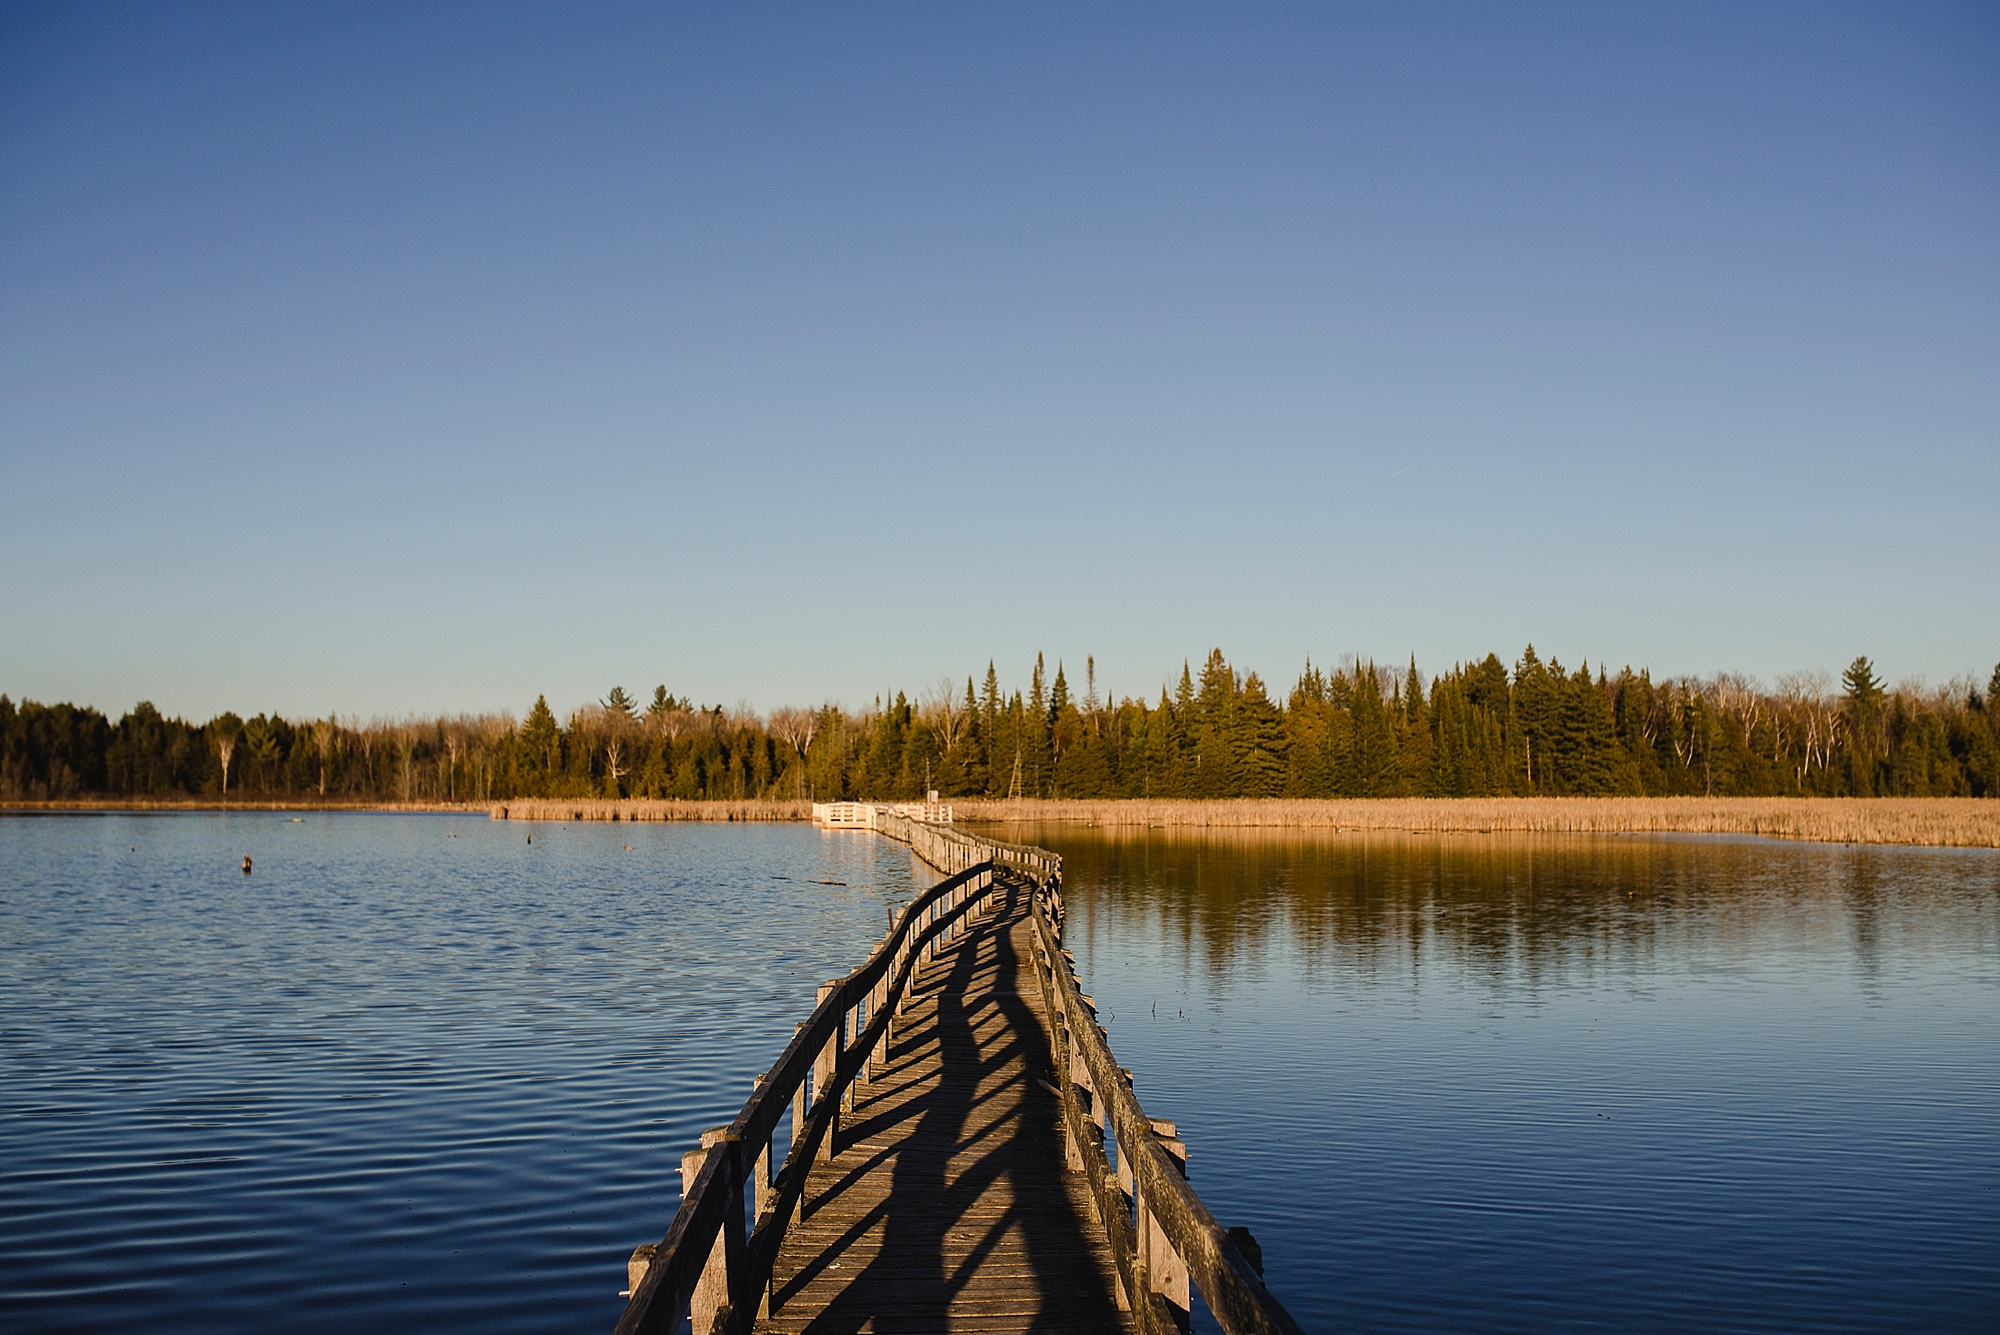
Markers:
1538,709
1413,741
541,744
1215,760
1867,736
1309,770
1035,729
1585,756
1377,765
1257,742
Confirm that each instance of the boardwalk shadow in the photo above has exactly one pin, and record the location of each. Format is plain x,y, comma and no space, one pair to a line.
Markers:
977,1225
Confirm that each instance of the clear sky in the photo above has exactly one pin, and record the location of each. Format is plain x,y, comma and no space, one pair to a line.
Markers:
383,359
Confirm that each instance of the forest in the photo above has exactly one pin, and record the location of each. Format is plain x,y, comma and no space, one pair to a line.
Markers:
1358,730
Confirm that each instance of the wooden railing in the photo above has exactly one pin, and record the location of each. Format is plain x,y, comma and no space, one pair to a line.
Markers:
710,1267
1163,1239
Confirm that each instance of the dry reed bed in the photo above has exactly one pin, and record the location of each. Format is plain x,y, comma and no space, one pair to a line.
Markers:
646,809
216,804
1950,822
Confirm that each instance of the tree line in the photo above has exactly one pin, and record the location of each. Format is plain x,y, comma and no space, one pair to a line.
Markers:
1357,730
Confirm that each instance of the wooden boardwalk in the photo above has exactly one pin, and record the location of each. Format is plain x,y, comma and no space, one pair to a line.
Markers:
946,1205
964,1152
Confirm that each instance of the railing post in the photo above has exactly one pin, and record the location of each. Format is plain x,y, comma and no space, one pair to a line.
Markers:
799,1104
711,1290
801,1109
850,1029
878,997
636,1268
763,1166
1166,1269
823,1073
1065,1046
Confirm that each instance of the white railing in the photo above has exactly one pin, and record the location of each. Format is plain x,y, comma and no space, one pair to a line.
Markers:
869,815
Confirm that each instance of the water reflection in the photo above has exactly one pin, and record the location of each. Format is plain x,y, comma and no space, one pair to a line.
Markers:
1568,1083
1517,908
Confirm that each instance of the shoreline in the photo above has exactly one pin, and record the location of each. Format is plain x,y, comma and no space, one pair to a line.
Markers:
1936,822
1931,822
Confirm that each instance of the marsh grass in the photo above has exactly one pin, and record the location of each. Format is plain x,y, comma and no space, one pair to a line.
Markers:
212,803
1949,822
1943,822
648,809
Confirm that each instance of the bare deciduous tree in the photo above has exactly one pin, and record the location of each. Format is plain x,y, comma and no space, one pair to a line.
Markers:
225,747
406,750
325,733
943,712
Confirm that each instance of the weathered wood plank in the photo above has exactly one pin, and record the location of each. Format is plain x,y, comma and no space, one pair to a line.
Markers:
945,1204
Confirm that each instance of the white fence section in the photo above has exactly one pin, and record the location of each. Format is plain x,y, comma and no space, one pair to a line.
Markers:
868,815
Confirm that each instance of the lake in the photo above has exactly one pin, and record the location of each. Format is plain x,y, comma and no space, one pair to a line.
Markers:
411,1071
1506,1083
414,1070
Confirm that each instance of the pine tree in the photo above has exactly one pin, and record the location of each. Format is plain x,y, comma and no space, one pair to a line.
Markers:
1585,756
1868,742
541,741
989,700
1414,739
1309,762
1862,687
1215,758
1537,708
1377,764
1035,779
1257,742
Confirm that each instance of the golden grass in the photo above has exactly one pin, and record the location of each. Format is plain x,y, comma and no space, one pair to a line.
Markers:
216,804
1949,822
645,809
1945,822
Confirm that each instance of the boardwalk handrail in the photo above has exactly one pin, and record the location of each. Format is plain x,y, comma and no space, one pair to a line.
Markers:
1162,1235
707,1266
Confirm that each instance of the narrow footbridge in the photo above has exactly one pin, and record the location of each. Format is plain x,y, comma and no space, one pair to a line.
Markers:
964,1152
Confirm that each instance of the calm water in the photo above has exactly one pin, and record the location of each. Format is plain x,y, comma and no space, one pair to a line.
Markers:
1580,1084
411,1072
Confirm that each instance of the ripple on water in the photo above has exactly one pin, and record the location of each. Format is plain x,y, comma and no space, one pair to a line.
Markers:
391,1079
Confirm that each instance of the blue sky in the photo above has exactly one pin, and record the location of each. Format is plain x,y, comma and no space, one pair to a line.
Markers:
429,358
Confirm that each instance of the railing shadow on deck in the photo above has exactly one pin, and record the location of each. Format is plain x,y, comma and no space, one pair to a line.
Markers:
715,1268
954,1149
